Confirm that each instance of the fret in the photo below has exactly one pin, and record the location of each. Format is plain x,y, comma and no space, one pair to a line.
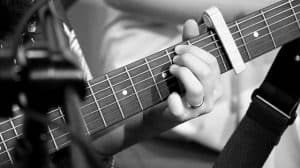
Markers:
243,40
296,7
14,128
6,149
220,55
18,123
9,136
169,56
142,78
268,27
294,12
188,42
4,159
147,81
98,108
139,101
280,13
286,33
62,140
107,78
52,137
61,114
147,63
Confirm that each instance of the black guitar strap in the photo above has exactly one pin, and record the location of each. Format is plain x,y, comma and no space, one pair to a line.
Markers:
272,110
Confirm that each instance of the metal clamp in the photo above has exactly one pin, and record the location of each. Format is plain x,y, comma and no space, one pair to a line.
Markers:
214,19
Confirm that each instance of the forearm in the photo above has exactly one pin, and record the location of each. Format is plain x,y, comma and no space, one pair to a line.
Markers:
179,11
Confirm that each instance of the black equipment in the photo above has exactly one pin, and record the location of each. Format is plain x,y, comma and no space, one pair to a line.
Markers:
272,110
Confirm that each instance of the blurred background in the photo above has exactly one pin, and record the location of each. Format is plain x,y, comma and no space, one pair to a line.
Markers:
87,18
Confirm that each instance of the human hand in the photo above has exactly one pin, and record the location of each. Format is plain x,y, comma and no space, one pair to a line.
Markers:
198,71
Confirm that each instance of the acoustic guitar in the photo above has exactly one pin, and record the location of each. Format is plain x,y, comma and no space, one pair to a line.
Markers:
129,90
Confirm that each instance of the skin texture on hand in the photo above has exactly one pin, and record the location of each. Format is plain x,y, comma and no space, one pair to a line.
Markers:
198,72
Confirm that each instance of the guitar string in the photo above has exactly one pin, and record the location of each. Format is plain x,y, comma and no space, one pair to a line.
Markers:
173,76
213,34
164,80
288,1
18,135
207,37
233,33
169,62
277,29
214,49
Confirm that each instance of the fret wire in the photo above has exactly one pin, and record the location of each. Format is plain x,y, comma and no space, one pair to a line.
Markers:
261,36
61,113
263,20
218,49
249,34
137,96
232,27
13,126
52,137
113,90
147,63
242,45
128,95
294,12
284,26
13,137
232,33
215,34
167,53
150,85
297,22
6,149
246,35
268,27
188,42
98,107
14,118
243,39
242,21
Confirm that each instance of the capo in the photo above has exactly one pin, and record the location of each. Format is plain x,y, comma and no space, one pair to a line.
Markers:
213,19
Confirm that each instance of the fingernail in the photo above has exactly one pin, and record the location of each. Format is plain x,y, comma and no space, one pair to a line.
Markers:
179,49
172,68
175,59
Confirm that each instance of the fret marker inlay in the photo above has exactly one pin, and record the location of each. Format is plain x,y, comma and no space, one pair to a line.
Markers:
255,34
164,75
124,92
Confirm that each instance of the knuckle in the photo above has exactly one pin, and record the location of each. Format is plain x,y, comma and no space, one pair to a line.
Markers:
197,91
183,71
185,58
213,61
179,116
206,73
208,106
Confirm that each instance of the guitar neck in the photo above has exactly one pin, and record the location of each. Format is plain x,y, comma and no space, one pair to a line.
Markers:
131,89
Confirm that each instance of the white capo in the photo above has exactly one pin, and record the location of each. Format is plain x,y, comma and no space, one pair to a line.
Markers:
214,19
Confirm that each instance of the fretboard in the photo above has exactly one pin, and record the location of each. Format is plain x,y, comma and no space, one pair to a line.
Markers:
131,89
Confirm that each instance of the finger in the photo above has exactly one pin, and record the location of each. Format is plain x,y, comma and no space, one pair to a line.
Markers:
190,29
202,71
193,88
176,106
200,53
199,68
